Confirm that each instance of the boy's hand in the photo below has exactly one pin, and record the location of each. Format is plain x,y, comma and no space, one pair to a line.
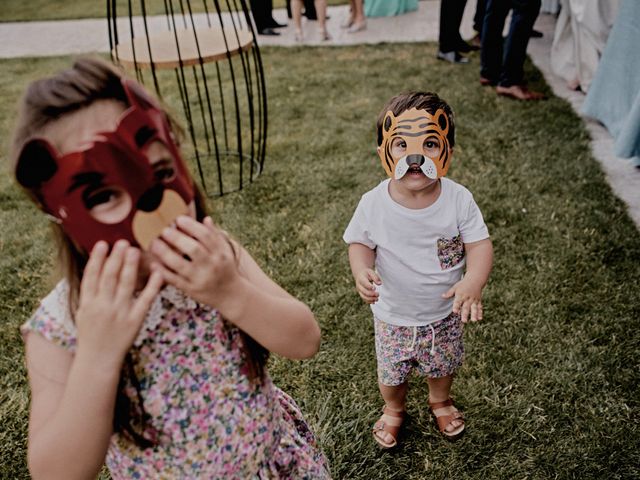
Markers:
366,280
468,299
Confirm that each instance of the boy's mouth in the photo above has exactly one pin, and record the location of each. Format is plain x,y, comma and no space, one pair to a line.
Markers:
415,170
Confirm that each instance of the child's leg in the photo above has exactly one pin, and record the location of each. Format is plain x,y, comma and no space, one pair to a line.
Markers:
388,426
394,397
439,391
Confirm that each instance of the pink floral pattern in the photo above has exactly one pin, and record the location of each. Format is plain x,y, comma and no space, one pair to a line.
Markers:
401,350
208,418
450,251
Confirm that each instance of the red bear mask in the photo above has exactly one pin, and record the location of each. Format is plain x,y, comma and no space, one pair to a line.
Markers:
70,186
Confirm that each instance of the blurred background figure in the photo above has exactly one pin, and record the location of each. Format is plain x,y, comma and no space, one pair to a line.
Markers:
451,45
614,93
389,8
263,17
356,21
580,37
321,12
502,60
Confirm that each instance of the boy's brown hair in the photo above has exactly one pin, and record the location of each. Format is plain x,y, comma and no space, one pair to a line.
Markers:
428,101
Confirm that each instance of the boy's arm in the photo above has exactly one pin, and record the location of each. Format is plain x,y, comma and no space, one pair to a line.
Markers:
468,291
361,260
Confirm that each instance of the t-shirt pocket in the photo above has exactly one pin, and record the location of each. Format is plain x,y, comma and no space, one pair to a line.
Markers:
450,251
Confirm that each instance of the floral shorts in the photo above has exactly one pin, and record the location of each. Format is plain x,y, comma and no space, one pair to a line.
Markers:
434,350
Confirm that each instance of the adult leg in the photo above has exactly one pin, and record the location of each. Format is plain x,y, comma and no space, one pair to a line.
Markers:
296,12
450,18
358,22
491,53
310,10
321,10
524,16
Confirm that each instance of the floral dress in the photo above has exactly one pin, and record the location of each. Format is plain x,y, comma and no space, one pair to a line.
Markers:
208,419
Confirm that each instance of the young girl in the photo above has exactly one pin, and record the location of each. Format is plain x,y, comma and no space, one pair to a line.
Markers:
151,350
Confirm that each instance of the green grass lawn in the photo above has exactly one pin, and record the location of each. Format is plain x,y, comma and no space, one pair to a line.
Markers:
19,10
550,382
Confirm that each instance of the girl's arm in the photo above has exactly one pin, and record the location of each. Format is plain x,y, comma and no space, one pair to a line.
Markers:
71,414
199,259
73,395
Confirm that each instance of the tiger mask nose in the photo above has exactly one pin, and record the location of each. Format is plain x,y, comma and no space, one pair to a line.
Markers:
425,163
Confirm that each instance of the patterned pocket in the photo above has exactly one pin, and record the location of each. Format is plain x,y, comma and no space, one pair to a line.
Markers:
450,251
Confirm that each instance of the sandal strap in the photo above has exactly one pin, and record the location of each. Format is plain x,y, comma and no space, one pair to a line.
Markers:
445,420
435,405
393,413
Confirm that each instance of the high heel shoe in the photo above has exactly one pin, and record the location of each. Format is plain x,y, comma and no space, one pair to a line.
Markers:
348,23
324,35
357,27
298,36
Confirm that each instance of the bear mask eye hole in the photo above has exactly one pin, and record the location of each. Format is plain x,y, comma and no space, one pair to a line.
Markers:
110,204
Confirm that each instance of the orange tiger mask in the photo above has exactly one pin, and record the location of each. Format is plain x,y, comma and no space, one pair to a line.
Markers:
415,127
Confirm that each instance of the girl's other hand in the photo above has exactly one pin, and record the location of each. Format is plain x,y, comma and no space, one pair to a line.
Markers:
108,316
366,282
199,259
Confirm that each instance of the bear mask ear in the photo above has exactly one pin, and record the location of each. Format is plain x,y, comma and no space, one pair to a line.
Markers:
36,163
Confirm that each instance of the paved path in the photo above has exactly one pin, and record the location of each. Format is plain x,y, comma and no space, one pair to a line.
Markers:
23,39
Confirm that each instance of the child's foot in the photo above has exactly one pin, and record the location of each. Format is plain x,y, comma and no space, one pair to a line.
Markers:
449,419
386,429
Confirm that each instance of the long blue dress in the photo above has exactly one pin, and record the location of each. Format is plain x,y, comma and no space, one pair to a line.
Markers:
614,94
388,8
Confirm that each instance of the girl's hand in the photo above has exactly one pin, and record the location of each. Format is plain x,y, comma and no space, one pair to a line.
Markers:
468,299
199,259
108,316
366,280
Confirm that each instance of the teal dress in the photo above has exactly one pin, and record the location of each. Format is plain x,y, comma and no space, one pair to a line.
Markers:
388,8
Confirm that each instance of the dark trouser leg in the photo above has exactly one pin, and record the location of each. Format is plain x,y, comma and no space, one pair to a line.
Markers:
491,52
310,10
260,15
478,18
524,16
288,8
450,18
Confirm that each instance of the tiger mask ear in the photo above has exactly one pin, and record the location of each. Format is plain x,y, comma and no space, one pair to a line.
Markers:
441,118
384,150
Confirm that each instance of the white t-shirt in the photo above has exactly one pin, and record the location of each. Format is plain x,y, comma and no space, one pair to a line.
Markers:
419,253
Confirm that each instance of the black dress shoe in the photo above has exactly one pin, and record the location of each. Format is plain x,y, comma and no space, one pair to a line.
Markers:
275,24
452,57
465,47
268,31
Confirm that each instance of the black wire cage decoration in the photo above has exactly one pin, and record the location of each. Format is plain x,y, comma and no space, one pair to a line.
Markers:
203,59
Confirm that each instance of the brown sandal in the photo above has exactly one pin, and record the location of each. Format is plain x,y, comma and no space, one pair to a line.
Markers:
445,419
390,422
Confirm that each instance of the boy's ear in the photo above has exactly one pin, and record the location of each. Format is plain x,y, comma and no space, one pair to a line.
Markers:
36,163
